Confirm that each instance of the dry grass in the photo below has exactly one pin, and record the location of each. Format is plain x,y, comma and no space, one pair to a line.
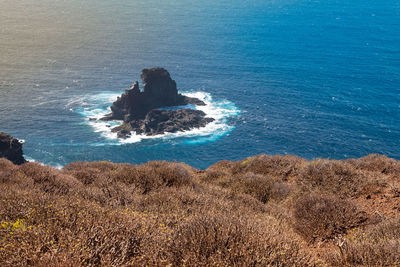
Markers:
262,211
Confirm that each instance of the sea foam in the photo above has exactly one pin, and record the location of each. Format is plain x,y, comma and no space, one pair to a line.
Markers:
94,107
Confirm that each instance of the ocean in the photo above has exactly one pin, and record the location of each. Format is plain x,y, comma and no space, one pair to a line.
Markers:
309,78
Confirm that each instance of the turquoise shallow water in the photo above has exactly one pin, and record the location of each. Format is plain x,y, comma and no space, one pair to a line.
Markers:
311,78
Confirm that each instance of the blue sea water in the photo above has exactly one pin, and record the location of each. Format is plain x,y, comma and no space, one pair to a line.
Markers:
314,78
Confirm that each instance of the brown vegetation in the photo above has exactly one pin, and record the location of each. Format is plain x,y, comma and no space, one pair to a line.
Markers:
324,218
262,211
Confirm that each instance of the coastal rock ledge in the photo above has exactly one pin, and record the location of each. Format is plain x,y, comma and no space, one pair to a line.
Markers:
11,149
141,113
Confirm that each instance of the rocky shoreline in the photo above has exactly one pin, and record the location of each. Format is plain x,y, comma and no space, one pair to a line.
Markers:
11,149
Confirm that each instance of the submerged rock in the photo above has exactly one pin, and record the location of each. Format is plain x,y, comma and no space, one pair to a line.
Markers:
139,110
11,149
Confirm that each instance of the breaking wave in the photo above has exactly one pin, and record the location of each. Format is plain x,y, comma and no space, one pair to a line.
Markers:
94,107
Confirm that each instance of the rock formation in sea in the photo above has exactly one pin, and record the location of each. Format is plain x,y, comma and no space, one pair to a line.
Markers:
11,149
162,121
159,90
139,109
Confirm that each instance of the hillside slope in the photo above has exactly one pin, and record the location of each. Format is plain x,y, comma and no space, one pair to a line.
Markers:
264,210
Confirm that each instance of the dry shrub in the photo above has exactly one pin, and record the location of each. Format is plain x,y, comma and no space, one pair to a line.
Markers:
6,165
283,167
378,245
219,170
221,240
319,218
144,178
122,184
183,202
49,179
260,187
115,242
332,176
68,231
65,231
377,163
166,173
160,213
8,171
212,175
155,175
255,185
94,172
12,204
222,165
97,166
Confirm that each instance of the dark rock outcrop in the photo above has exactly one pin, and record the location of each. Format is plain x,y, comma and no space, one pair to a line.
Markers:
162,121
159,90
11,149
139,110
